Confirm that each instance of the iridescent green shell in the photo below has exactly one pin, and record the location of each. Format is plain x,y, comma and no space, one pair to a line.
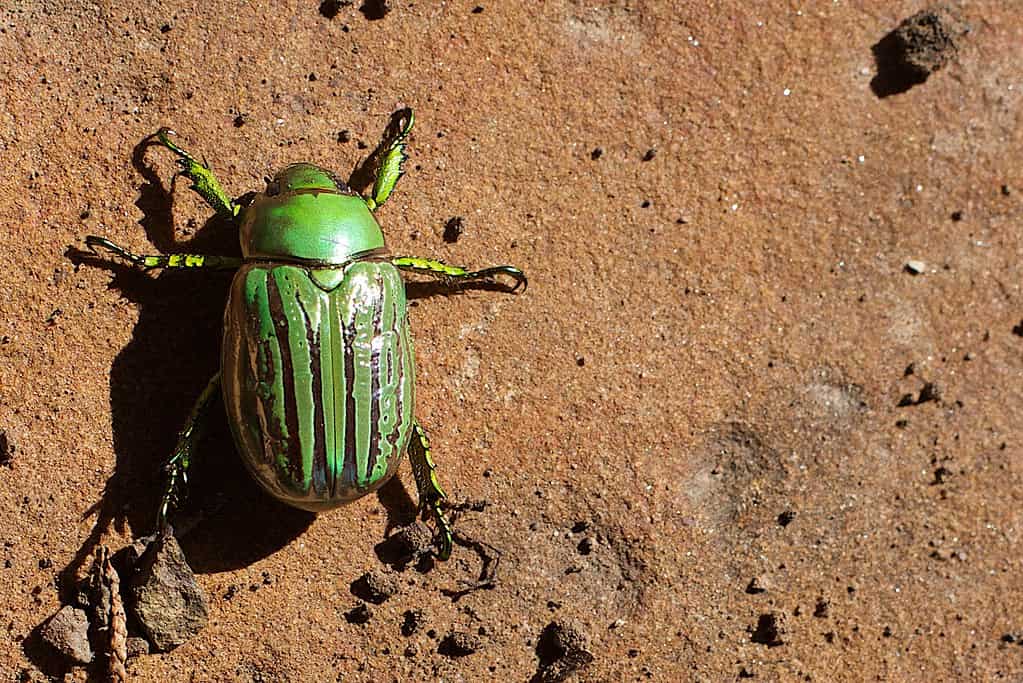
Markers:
319,377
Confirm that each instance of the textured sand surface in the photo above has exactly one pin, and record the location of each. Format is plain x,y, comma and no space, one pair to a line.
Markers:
686,432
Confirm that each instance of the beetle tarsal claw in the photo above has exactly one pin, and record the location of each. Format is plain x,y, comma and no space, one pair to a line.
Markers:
490,274
164,134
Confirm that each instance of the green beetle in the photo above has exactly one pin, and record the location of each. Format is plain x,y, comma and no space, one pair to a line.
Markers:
317,366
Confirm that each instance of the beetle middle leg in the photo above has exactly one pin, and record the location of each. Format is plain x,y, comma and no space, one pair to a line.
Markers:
177,465
148,262
430,492
456,273
204,182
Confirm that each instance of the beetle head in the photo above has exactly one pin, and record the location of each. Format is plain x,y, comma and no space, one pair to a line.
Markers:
305,177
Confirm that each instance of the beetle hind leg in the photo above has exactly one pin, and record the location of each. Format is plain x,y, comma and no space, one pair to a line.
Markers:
430,492
177,465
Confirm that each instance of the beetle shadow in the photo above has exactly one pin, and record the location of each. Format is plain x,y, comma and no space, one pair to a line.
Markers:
154,380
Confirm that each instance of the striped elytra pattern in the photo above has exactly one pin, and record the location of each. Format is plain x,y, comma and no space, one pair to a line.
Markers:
319,378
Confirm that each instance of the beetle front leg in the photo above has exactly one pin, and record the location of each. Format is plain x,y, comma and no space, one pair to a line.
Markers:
204,182
177,465
149,262
457,274
392,167
430,491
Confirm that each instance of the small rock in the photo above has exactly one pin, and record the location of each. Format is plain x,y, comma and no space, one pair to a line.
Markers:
563,649
920,45
586,545
940,475
413,621
413,540
360,614
375,9
932,391
68,633
375,586
770,630
785,518
460,644
330,8
6,449
926,41
757,585
453,229
915,267
820,610
165,597
1018,329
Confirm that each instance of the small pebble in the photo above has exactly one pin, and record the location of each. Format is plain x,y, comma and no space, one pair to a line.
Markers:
770,630
453,229
563,649
68,633
413,540
932,391
915,267
460,644
165,597
360,614
375,586
7,449
926,41
413,620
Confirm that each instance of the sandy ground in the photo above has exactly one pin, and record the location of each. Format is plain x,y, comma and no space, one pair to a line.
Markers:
686,433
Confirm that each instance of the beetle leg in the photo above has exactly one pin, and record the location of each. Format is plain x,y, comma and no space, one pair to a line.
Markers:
456,274
204,182
176,467
161,260
430,491
392,167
